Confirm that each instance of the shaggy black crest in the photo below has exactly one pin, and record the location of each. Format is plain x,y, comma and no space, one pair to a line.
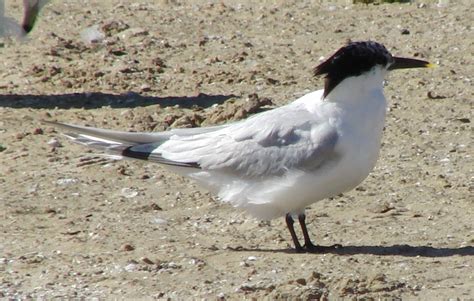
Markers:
352,60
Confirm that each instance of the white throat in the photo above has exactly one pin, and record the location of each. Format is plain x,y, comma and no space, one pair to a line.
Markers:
356,88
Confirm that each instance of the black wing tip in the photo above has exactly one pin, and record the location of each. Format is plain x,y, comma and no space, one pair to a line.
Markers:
130,153
193,165
147,156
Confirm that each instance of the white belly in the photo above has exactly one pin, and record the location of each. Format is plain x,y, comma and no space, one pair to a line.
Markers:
274,197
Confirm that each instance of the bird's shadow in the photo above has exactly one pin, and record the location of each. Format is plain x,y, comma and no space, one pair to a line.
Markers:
395,250
94,100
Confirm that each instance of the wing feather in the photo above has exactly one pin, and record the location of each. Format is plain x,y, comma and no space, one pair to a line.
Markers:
267,144
259,146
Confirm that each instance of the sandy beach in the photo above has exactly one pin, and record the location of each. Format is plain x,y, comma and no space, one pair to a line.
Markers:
74,224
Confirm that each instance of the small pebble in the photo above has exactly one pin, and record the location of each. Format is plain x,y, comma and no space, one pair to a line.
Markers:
464,120
20,136
38,131
129,193
127,247
54,143
130,267
159,221
92,35
301,281
145,88
146,260
68,181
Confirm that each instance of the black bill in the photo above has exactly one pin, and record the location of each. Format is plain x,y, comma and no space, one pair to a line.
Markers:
404,63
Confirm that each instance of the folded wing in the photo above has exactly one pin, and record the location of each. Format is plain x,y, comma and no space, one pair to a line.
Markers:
267,144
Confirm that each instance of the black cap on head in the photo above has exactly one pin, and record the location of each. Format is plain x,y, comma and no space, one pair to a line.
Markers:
352,60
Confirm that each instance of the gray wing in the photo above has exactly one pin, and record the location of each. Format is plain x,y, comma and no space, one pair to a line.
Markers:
131,138
129,144
270,143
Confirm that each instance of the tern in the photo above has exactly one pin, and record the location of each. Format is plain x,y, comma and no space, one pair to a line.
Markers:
278,162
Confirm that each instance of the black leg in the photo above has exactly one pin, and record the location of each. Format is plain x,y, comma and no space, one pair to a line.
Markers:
289,223
307,240
308,245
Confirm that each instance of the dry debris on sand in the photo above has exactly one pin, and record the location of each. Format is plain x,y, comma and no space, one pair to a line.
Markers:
76,225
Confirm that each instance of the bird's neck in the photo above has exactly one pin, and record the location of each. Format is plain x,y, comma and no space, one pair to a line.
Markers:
362,105
356,90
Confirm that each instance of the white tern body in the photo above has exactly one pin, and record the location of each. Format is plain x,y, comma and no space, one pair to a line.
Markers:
279,161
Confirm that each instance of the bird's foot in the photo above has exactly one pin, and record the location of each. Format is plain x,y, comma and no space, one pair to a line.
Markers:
300,249
311,248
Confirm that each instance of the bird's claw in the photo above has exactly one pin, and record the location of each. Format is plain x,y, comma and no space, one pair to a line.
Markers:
311,248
